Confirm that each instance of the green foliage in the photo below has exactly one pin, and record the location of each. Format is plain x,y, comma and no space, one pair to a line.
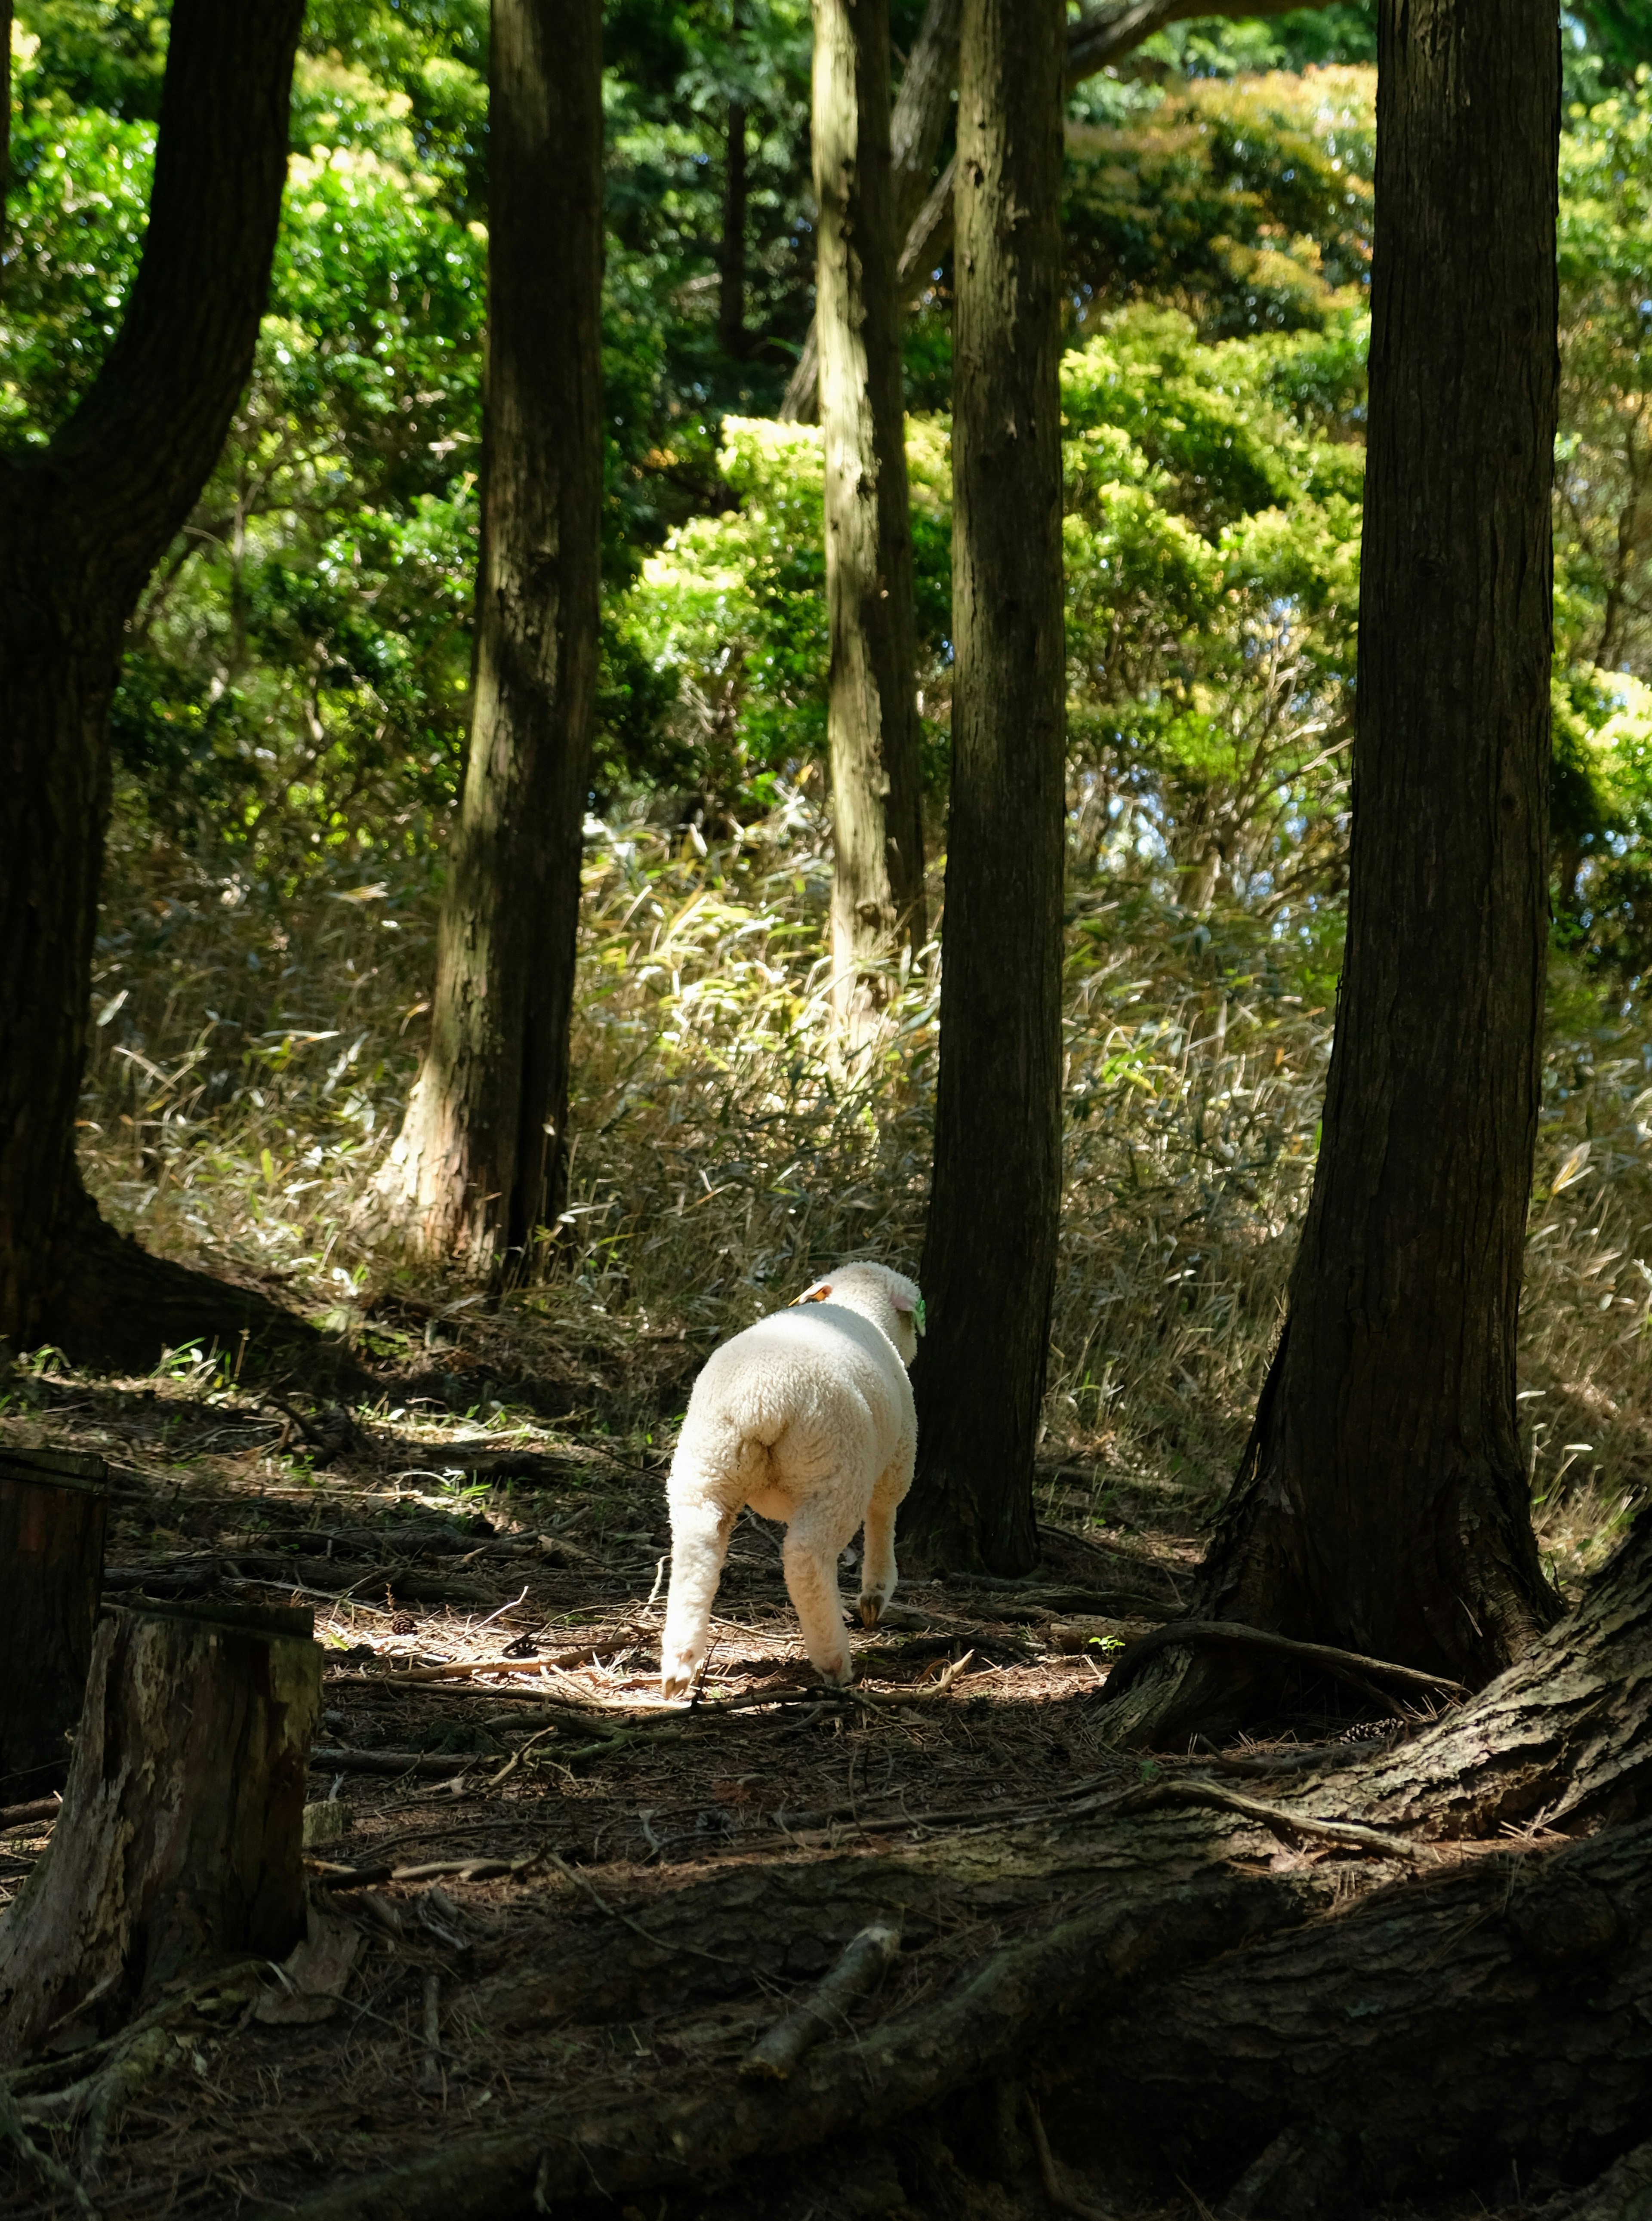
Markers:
1603,601
1248,204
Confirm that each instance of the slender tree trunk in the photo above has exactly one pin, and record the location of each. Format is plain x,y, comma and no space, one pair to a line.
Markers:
731,280
871,713
82,523
989,1256
923,204
1381,1503
481,1162
6,121
921,108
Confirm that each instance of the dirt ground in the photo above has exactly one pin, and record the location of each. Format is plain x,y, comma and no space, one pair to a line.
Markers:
499,1785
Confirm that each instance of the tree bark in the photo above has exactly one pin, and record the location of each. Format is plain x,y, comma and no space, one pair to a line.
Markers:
988,1255
82,523
481,1165
731,256
53,1509
1381,1503
872,709
179,1839
5,123
923,209
916,129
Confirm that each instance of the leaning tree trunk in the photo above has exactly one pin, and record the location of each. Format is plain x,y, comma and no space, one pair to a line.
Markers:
872,710
988,1255
1381,1503
53,1511
180,1842
82,523
481,1166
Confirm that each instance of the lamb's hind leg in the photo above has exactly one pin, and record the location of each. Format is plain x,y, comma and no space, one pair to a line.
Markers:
699,1541
810,1555
878,1563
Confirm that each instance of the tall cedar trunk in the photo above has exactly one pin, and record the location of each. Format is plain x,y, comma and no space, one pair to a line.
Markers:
871,713
989,1256
82,523
5,123
731,255
923,216
1381,1503
481,1161
922,109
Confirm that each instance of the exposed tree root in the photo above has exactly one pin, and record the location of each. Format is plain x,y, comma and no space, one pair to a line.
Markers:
113,1303
1295,2032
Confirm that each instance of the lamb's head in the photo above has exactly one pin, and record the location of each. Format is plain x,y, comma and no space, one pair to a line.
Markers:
888,1298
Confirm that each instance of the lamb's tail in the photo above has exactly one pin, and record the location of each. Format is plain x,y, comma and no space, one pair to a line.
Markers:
729,1469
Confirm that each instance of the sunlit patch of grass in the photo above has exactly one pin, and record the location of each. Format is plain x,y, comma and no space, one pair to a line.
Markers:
255,1054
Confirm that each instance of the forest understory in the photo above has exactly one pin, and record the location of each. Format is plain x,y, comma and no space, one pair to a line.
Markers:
1384,1960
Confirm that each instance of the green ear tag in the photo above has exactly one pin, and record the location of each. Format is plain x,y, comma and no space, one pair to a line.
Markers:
917,1315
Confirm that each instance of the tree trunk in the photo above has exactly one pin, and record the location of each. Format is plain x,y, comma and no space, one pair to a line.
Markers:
82,523
731,256
988,1255
872,710
481,1165
179,1840
54,1508
915,128
1100,37
1381,1503
5,124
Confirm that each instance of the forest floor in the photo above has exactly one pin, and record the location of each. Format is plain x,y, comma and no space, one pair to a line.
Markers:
498,1789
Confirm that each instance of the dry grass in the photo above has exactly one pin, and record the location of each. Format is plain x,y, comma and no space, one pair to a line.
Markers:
254,1053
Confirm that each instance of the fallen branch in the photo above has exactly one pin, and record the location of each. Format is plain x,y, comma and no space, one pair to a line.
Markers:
27,1816
1345,1665
865,1960
396,1761
1354,1833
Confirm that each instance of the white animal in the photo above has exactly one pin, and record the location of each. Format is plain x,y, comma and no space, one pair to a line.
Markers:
808,1417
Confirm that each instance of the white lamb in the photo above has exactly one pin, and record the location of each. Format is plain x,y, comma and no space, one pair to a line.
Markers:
808,1417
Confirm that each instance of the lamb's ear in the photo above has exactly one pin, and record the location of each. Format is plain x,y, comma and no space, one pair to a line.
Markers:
814,1296
910,1307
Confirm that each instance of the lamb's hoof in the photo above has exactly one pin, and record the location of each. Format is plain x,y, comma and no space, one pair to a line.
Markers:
677,1680
871,1608
838,1676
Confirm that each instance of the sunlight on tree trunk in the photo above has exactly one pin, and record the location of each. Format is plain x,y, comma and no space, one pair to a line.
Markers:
1381,1503
480,1164
989,1257
871,713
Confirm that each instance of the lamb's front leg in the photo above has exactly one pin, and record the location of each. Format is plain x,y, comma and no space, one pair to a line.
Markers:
809,1555
699,1541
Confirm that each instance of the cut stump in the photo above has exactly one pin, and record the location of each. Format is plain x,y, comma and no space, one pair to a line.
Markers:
53,1506
179,1842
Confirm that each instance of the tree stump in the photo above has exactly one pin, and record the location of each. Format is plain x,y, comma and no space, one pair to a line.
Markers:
53,1511
180,1842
